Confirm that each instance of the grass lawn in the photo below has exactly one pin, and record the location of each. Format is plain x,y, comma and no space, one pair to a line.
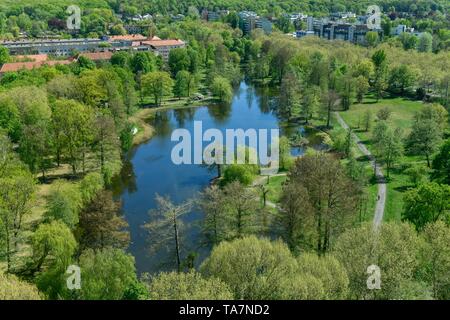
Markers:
275,188
402,116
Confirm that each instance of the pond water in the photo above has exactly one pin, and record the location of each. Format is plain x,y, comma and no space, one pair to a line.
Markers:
148,169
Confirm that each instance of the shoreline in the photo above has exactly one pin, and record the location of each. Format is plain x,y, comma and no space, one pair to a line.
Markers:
146,130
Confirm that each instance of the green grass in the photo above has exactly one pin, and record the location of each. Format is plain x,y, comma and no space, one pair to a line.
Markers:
402,116
275,187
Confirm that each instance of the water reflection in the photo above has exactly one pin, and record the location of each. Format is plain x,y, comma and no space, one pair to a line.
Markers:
149,169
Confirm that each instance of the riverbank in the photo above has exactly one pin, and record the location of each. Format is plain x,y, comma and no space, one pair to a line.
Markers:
143,115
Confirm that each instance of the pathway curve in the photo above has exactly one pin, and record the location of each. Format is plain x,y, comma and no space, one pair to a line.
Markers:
381,197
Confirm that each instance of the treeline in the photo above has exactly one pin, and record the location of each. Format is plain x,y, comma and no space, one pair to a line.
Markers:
318,76
100,17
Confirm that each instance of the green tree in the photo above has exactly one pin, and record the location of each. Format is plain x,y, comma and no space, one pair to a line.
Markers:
107,274
435,257
293,218
331,194
380,62
409,41
425,42
11,288
73,124
388,144
402,77
367,120
424,139
362,86
158,84
371,38
64,203
142,62
179,60
330,100
4,55
427,203
90,185
105,140
393,248
253,268
185,84
187,286
17,195
243,173
329,271
241,208
212,203
286,159
221,88
441,164
53,245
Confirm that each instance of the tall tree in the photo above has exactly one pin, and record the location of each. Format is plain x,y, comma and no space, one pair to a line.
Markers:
158,84
16,200
294,214
241,205
424,139
75,130
427,203
101,224
222,89
212,202
166,227
331,195
393,248
108,274
441,164
435,256
330,101
253,268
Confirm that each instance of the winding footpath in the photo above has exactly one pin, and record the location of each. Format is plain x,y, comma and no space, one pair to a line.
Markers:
381,196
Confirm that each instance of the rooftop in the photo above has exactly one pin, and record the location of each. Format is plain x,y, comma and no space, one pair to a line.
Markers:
97,55
128,37
17,66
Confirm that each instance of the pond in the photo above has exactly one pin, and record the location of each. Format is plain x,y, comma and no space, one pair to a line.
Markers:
148,169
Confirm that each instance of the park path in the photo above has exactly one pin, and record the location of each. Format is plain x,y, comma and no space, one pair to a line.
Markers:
381,180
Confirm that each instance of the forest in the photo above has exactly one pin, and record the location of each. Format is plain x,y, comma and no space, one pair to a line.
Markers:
65,130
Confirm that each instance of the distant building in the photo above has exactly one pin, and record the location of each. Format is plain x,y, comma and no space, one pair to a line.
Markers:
250,21
59,47
355,33
303,33
158,46
342,15
135,42
402,28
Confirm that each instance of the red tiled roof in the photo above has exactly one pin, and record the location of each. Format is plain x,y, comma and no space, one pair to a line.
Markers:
31,57
128,37
97,55
16,66
163,43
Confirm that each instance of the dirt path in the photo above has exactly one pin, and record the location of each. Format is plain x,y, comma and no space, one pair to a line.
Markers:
381,196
